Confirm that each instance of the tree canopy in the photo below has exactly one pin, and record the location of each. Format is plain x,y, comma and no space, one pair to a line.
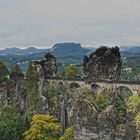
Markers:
43,127
3,71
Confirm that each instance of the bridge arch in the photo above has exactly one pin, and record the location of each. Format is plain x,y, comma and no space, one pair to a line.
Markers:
53,83
74,85
44,88
96,88
46,84
60,85
124,91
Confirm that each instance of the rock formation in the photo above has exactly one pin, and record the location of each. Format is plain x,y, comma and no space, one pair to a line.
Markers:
103,64
107,123
92,123
42,70
73,105
49,65
85,120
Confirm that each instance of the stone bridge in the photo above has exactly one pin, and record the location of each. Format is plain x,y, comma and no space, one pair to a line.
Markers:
96,85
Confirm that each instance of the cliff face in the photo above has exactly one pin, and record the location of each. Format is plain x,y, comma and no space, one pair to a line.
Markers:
49,65
95,125
103,64
44,69
91,122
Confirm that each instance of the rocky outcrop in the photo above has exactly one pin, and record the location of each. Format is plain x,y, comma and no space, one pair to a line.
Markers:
14,89
10,84
92,123
42,70
17,76
85,121
131,132
49,65
89,124
107,123
103,64
42,104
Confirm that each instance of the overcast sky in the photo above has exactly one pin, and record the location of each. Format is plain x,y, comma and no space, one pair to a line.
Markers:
91,22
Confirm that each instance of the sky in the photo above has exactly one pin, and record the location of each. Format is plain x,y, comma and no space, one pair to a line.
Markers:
43,23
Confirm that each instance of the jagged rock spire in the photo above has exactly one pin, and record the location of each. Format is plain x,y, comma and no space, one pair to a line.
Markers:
103,64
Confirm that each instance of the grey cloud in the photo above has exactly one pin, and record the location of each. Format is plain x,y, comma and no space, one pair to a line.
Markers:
45,22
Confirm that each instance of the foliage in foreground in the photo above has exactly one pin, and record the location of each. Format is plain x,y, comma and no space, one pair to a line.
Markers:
68,135
134,104
11,125
121,107
102,100
134,107
3,71
31,86
137,121
43,127
72,70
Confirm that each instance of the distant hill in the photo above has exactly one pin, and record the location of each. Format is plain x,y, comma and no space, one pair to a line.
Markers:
69,53
133,49
66,53
18,51
68,49
10,51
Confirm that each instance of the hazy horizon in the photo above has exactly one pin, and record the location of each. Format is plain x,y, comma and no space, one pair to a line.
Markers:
82,45
91,22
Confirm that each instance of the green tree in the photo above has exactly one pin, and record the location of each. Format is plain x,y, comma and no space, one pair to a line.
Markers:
121,107
134,103
31,86
16,69
43,127
134,107
52,99
137,121
102,100
3,71
72,70
11,125
68,135
62,72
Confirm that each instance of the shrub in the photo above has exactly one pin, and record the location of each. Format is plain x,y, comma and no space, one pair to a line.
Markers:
68,135
43,127
102,100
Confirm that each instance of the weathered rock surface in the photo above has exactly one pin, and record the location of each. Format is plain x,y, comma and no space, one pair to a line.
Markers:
91,123
107,123
103,64
43,69
49,65
15,91
85,120
43,86
131,132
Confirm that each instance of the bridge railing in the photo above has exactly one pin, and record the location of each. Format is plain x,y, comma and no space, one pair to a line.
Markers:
96,80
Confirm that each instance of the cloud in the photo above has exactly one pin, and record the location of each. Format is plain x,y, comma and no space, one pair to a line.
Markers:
86,9
45,22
